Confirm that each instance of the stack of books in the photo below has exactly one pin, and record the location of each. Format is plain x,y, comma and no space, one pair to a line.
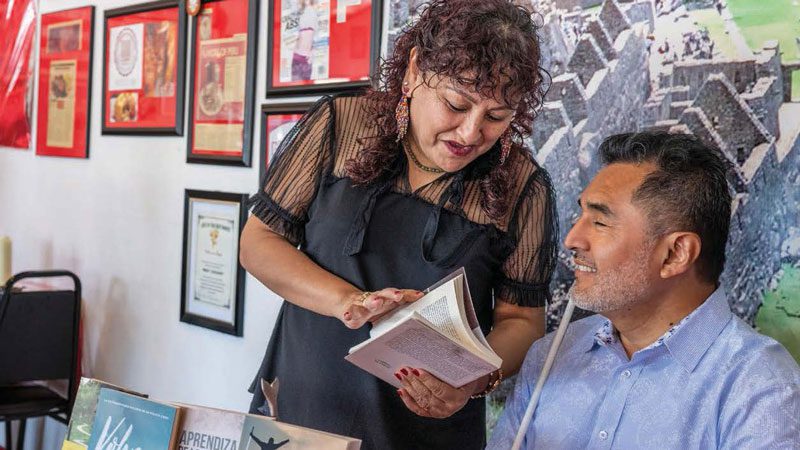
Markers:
108,417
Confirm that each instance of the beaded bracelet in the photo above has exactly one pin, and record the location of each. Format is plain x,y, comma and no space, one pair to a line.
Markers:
492,384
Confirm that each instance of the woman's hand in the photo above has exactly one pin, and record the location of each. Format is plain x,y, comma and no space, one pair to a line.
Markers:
360,308
427,396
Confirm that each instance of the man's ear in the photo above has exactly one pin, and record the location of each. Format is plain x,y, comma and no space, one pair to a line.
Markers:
681,250
412,76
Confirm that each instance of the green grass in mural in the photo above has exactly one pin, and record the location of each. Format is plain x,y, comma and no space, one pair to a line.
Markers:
764,20
712,21
796,86
494,409
779,315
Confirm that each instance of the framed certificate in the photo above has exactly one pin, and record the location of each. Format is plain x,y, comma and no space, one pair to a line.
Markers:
143,69
318,46
276,123
222,83
212,288
65,83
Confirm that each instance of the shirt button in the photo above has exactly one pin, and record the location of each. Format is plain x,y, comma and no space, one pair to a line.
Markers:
626,374
603,435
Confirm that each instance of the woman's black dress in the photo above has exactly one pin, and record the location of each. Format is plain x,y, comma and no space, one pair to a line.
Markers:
380,236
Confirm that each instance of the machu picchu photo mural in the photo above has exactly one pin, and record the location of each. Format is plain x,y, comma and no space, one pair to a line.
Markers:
727,71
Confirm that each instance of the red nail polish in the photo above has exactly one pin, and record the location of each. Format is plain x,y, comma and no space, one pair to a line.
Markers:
398,376
347,316
405,372
416,372
400,392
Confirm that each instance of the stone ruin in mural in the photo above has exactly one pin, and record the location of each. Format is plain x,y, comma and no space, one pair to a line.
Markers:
608,77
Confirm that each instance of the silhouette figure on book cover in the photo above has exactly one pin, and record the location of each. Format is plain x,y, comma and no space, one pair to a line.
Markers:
269,445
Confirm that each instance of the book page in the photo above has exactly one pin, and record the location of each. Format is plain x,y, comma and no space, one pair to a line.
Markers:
415,343
439,307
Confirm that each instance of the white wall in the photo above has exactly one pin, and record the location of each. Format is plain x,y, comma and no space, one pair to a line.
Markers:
116,219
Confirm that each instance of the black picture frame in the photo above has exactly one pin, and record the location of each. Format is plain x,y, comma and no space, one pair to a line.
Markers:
236,327
180,87
334,87
245,160
268,109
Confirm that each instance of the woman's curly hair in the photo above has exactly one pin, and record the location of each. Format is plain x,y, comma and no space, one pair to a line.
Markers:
492,42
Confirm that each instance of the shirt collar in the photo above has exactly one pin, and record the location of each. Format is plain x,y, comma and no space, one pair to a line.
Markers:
688,340
694,339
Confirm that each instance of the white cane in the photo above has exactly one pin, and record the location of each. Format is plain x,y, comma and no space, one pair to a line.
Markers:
551,356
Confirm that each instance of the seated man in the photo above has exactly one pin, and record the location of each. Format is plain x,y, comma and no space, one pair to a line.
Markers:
665,364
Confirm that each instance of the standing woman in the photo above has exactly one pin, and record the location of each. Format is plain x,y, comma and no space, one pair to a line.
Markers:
374,197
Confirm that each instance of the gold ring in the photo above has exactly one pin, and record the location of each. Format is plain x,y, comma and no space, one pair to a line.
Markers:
363,299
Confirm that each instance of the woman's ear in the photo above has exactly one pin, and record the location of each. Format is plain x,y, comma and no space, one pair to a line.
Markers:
412,71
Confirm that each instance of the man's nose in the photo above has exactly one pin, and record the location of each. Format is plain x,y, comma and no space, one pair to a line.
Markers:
574,239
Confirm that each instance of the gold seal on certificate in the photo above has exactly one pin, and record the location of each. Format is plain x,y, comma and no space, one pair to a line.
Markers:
213,280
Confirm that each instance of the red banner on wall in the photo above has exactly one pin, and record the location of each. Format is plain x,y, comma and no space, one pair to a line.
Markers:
16,69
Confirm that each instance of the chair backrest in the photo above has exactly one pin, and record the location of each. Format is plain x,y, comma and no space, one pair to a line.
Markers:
39,332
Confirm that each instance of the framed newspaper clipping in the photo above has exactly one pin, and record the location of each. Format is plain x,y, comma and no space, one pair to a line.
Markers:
65,83
277,120
222,83
317,46
212,287
143,69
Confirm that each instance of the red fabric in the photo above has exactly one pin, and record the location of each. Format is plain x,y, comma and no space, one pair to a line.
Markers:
18,18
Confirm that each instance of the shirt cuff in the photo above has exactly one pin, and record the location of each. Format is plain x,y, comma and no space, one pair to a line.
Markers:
523,294
276,218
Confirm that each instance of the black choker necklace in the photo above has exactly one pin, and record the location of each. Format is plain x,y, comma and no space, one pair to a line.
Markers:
416,162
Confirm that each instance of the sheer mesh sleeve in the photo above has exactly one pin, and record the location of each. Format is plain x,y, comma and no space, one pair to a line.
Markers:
292,179
534,226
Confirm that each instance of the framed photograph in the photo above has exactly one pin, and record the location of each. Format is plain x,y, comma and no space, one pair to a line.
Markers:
276,123
222,83
212,280
143,69
318,46
65,83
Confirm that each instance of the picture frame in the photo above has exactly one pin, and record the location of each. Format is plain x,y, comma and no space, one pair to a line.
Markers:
277,120
212,280
144,54
299,63
65,83
222,83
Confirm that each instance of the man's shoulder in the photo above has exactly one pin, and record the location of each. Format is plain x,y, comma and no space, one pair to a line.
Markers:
746,354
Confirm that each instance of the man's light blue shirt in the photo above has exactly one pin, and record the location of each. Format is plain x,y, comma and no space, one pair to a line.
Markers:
712,382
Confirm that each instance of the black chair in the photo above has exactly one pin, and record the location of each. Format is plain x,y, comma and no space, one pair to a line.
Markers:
38,341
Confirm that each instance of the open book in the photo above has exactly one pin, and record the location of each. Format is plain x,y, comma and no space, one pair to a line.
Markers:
438,333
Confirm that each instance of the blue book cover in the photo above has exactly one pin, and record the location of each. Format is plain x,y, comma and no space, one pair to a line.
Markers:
125,421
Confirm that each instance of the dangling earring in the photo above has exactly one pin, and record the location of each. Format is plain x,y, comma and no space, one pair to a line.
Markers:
505,145
401,114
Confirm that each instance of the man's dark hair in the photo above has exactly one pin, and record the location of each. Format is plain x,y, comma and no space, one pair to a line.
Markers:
687,192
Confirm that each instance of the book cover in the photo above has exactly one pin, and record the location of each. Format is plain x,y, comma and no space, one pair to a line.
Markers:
124,421
263,433
79,430
69,445
208,428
